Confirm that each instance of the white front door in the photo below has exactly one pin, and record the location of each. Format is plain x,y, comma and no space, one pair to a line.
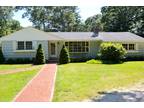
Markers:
53,49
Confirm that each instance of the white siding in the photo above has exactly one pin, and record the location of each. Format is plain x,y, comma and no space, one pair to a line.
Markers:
9,50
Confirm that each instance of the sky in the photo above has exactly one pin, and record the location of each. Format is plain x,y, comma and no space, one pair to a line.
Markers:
85,12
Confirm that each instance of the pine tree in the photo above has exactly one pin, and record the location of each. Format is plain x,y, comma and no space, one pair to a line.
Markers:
64,56
2,59
40,58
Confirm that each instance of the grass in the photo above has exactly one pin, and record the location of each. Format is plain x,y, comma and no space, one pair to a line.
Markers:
15,66
11,84
80,81
93,61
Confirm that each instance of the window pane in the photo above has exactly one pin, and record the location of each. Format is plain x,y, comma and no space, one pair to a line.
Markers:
66,43
20,45
87,49
131,47
28,45
86,43
125,46
77,46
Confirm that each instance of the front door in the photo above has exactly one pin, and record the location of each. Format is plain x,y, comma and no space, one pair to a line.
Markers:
53,49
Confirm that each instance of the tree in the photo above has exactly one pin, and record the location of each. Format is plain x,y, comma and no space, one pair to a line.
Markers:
2,59
6,14
14,25
64,18
7,24
94,22
64,56
40,57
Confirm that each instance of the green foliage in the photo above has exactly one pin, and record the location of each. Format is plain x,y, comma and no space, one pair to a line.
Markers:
2,59
64,56
80,59
112,52
64,18
94,22
135,58
7,24
40,57
123,18
93,61
19,61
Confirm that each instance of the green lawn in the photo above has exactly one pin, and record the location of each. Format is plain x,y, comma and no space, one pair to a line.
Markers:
15,66
11,84
80,81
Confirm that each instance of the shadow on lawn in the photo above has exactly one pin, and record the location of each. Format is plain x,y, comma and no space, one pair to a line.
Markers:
116,96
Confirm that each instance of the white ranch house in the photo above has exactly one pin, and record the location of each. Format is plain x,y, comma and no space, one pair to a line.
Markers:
24,43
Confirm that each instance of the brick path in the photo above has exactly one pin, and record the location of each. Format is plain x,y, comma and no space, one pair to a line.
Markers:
41,87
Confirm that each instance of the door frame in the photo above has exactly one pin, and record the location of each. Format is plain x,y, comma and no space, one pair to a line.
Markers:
55,48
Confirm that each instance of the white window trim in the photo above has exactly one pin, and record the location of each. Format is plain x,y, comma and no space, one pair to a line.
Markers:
17,50
135,47
80,41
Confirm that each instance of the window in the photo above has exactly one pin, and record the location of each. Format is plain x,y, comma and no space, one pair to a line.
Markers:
21,45
125,46
77,46
129,46
28,45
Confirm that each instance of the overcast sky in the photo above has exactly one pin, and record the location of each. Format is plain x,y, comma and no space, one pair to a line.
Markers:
85,12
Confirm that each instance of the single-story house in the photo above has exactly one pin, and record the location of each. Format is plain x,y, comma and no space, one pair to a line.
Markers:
24,43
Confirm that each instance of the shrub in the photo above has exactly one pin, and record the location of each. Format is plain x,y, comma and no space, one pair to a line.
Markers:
79,59
112,52
64,56
40,58
93,61
2,59
19,61
134,58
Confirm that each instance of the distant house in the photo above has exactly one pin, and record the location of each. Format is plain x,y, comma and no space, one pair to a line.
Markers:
23,43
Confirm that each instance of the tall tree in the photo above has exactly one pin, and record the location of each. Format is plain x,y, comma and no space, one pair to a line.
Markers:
123,18
6,14
7,24
94,22
14,25
64,18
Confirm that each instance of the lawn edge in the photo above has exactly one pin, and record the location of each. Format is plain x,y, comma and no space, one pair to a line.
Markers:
18,94
54,82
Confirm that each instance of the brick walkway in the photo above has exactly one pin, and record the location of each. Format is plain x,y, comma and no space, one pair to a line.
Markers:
41,87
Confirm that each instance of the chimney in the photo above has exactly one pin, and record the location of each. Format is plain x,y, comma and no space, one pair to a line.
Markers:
95,32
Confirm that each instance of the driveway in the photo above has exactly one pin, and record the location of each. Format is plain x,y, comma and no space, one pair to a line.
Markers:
131,94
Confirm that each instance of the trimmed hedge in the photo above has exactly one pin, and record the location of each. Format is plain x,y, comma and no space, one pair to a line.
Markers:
80,59
64,56
19,61
40,57
134,58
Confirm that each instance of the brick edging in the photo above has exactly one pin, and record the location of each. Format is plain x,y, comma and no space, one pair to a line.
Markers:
53,87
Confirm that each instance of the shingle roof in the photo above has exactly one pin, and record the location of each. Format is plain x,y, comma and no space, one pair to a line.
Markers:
76,35
34,34
120,37
30,34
